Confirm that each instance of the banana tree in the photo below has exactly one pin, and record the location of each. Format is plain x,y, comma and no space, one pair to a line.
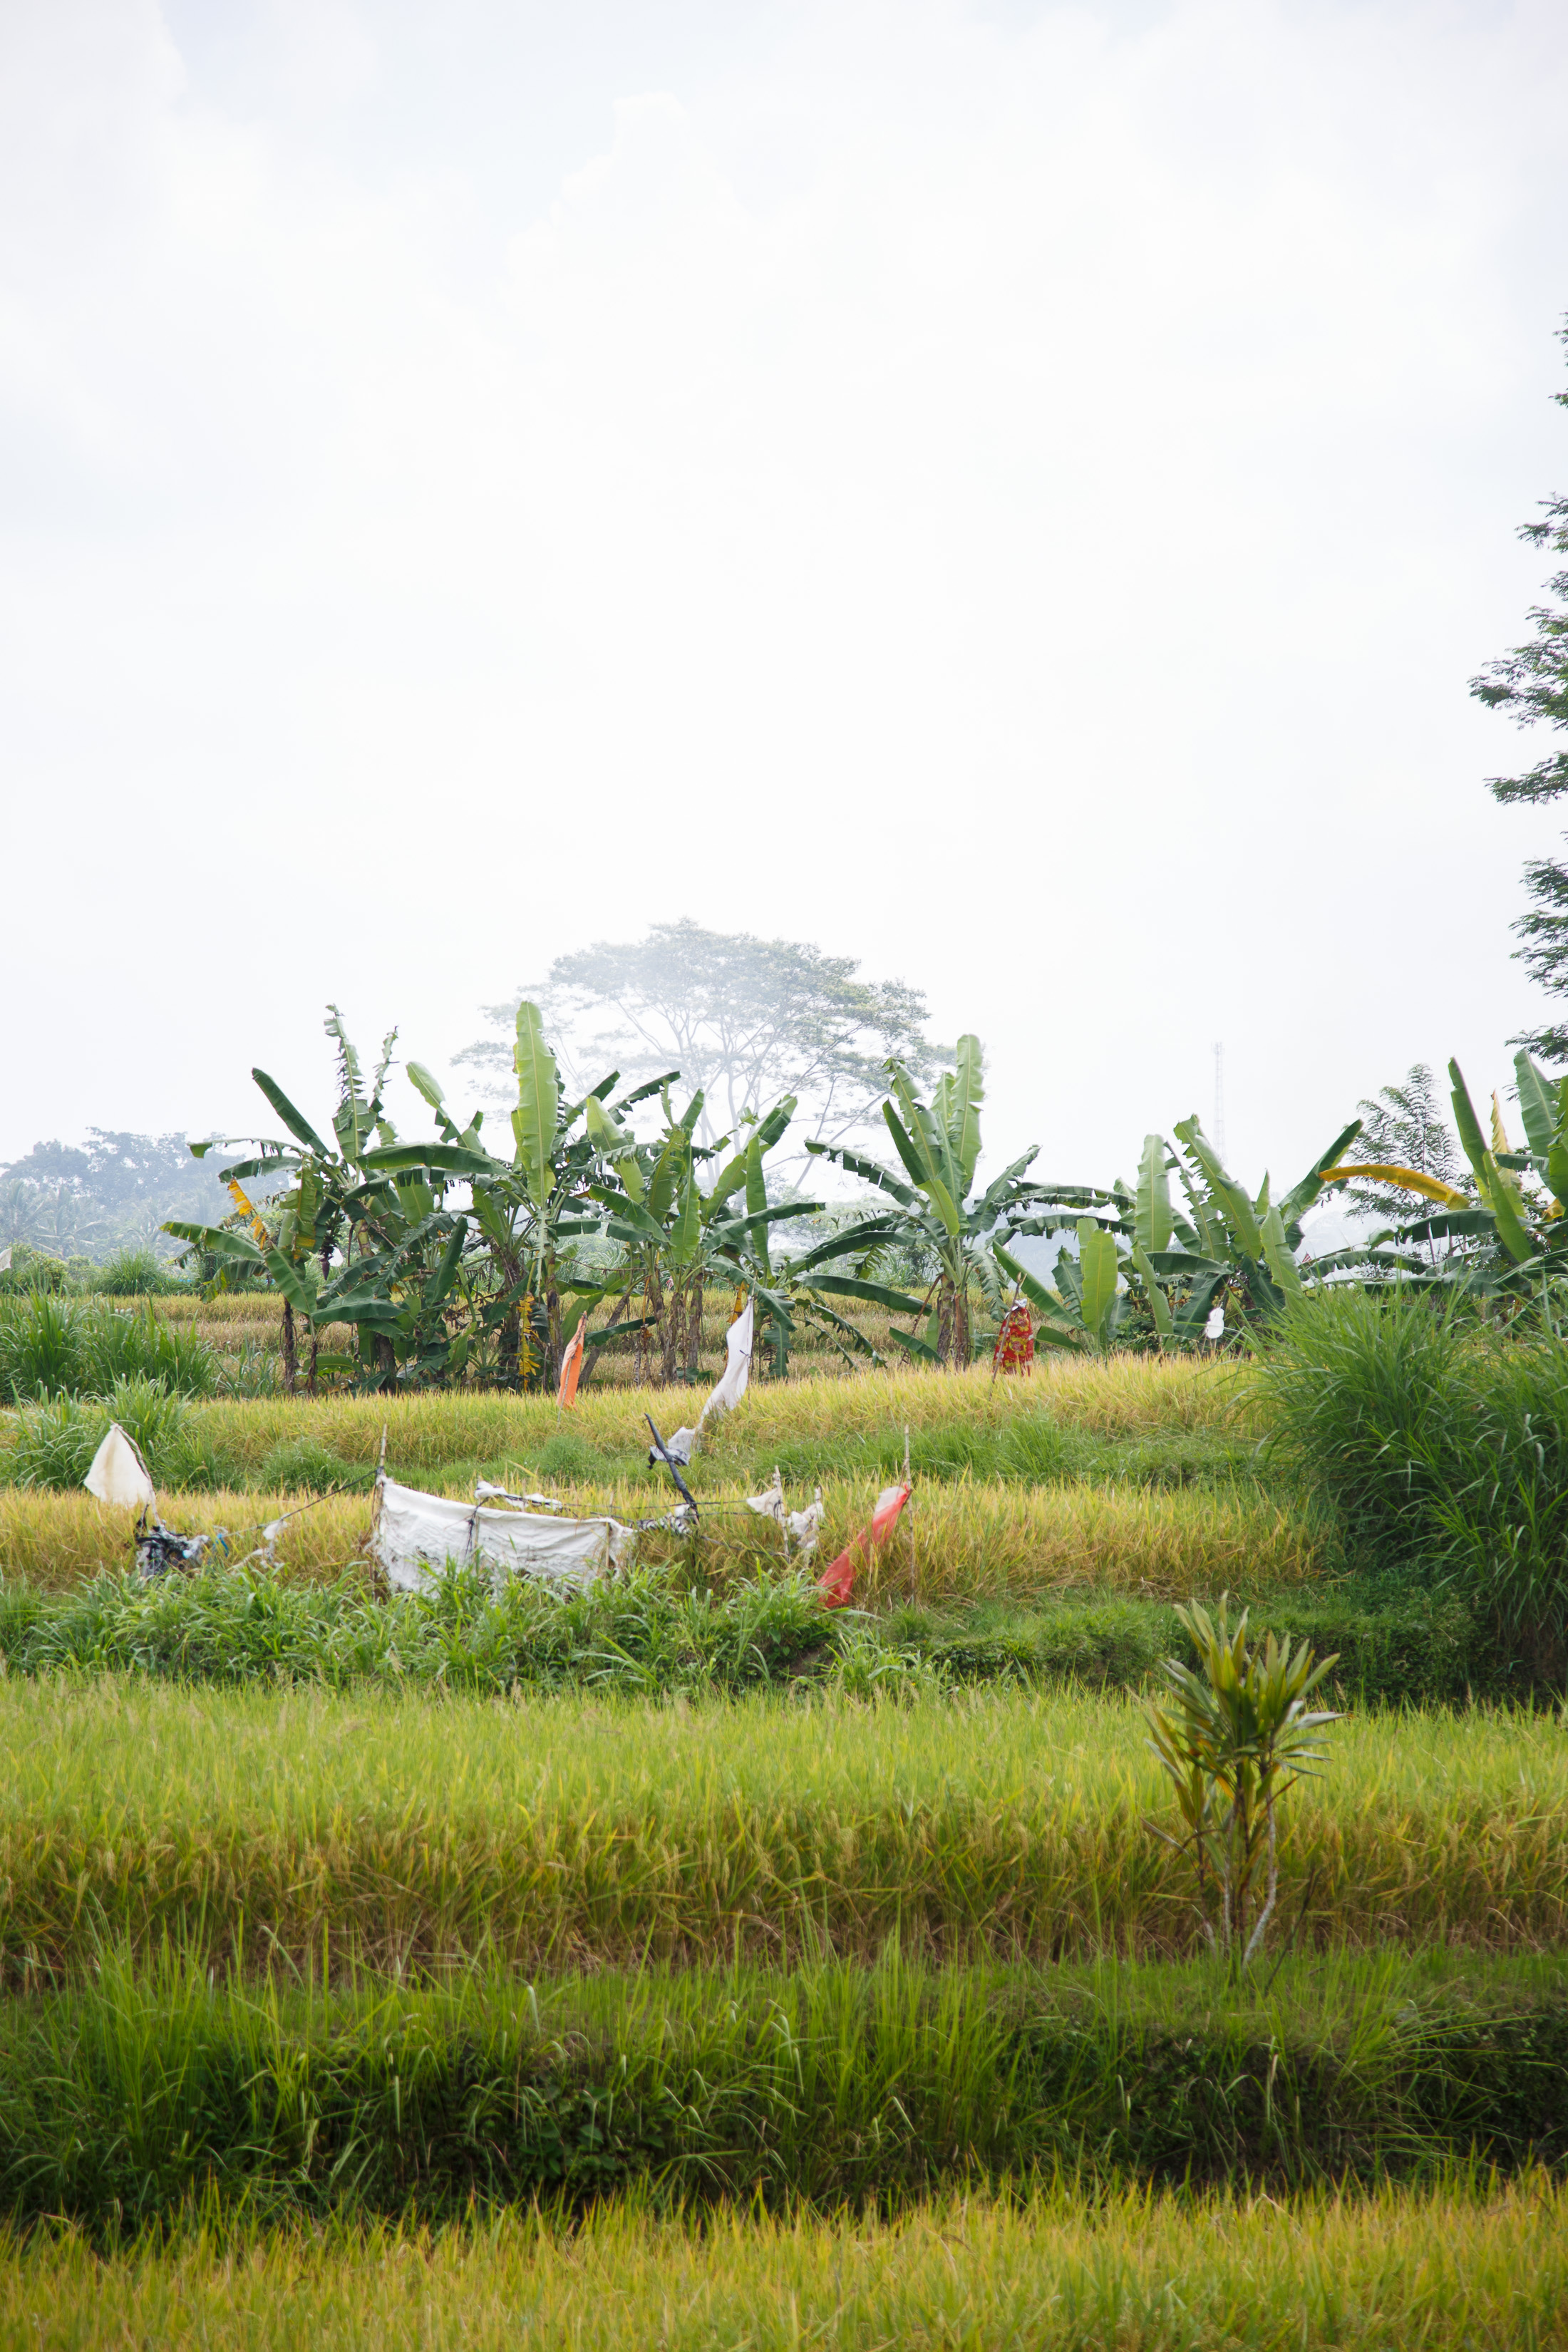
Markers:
679,1237
531,1208
368,1219
1221,1245
933,1207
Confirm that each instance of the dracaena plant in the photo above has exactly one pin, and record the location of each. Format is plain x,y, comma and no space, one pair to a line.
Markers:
1236,1735
931,1207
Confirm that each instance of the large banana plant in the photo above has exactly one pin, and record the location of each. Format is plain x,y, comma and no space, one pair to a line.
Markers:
367,1219
933,1207
1211,1243
366,1234
531,1208
686,1216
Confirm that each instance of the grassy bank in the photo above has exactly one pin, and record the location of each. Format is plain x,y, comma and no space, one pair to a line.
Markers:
550,1833
656,1632
965,1421
123,2102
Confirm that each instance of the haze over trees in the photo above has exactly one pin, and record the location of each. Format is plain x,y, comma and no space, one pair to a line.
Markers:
746,1020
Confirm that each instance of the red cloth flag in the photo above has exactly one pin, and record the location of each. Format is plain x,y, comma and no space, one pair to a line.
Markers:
571,1366
836,1583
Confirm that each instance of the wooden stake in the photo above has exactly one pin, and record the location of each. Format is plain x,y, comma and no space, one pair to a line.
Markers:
909,1508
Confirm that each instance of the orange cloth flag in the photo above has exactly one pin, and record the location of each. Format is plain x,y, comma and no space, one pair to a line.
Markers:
836,1583
571,1365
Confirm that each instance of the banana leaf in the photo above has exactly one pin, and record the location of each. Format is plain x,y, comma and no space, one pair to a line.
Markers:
963,1125
446,1159
1539,1105
1153,1214
1099,1271
294,1120
878,1294
857,1164
538,1100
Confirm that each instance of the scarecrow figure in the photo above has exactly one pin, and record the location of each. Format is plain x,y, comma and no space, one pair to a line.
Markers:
1014,1348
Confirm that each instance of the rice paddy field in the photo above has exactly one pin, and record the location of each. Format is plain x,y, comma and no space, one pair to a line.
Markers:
680,1965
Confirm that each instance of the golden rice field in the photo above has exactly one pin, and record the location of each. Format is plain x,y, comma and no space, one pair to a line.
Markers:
563,1833
967,1541
966,1537
1447,2270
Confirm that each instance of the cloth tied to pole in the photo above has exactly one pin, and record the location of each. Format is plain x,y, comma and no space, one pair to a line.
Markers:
837,1582
571,1367
119,1474
1014,1348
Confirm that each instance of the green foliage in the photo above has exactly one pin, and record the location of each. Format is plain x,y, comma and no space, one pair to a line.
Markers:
933,1213
1238,1737
1229,1249
136,1274
642,1633
1443,1445
1530,683
828,2083
58,1441
53,1346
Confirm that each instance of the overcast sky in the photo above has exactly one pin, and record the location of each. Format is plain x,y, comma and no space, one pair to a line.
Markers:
1011,492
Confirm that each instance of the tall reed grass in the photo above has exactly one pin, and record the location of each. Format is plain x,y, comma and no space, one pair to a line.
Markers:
1470,2266
1443,1445
565,1831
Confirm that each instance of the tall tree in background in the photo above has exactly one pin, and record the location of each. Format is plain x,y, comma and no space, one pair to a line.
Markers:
745,1020
1532,684
1406,1126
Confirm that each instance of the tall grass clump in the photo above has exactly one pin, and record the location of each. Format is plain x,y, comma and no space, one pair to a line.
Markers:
53,1346
1443,1445
58,1440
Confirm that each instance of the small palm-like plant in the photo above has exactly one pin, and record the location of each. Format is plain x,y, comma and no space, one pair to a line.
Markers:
1236,1739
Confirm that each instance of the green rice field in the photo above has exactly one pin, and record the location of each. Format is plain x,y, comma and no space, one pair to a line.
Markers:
679,1965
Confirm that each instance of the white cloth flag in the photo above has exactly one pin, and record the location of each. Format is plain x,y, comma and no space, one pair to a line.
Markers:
118,1474
418,1534
732,1387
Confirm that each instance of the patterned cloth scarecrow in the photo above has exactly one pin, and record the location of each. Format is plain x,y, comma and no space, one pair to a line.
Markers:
1014,1348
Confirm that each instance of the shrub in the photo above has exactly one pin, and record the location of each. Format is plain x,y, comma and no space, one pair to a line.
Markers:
1444,1446
42,1349
130,1345
53,1346
135,1274
58,1440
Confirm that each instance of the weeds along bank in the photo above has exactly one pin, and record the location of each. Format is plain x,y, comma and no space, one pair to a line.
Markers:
827,2085
1057,2272
552,1834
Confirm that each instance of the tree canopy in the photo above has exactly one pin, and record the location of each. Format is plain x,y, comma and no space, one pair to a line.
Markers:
743,1019
114,1189
1531,683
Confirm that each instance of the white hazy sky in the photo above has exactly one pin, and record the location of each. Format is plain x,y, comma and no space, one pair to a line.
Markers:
1013,492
